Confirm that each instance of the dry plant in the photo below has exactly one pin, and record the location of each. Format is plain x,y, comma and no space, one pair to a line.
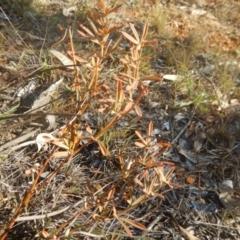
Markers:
138,177
105,171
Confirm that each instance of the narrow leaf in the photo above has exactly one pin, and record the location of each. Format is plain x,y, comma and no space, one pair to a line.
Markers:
60,154
103,149
79,59
154,78
119,91
150,128
139,200
138,111
86,30
130,38
140,137
82,34
125,228
127,108
135,32
113,29
113,9
101,5
145,31
93,26
139,144
134,223
96,41
106,37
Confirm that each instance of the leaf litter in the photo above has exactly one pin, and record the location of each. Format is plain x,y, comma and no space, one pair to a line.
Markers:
166,171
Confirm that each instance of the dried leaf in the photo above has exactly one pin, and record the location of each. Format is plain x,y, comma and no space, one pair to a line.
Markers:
61,154
151,77
228,197
138,111
139,144
51,121
86,30
188,234
141,138
96,31
67,232
45,97
125,228
139,200
78,58
101,5
127,108
45,233
115,9
190,179
113,29
130,38
28,171
135,32
172,77
65,60
134,223
150,129
44,138
145,31
103,149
